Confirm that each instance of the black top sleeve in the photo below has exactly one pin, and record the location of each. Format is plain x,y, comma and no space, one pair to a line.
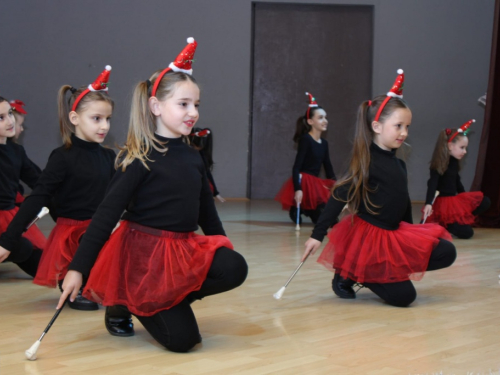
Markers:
432,185
330,214
52,176
208,219
327,164
30,172
299,161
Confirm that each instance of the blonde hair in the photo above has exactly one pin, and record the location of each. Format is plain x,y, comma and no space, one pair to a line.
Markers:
64,108
441,155
357,174
141,136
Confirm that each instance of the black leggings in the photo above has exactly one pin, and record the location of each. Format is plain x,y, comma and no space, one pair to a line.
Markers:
176,328
402,294
465,231
26,257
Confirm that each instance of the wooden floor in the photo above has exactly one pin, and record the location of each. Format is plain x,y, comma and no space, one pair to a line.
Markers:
452,328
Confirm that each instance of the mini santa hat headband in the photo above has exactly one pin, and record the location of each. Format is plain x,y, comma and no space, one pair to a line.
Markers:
17,105
395,92
182,63
463,130
100,84
312,104
200,134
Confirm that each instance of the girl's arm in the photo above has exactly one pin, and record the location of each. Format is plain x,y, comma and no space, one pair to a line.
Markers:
208,218
331,213
46,186
432,185
299,161
327,164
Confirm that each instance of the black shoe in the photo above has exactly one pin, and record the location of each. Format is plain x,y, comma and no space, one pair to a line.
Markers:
82,303
343,287
293,215
118,321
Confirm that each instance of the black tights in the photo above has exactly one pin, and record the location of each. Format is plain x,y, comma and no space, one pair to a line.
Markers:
26,257
176,328
402,294
465,231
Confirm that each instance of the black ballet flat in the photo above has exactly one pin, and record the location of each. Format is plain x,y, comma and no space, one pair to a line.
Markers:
82,303
118,321
343,287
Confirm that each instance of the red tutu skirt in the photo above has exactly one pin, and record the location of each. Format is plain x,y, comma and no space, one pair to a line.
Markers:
365,253
315,191
457,209
34,234
61,247
150,270
19,199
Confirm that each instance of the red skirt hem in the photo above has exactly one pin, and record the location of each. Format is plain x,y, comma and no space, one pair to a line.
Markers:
315,191
457,209
34,234
60,250
363,252
150,270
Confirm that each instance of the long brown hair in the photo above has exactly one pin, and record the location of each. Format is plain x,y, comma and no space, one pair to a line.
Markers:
65,126
142,125
441,155
359,166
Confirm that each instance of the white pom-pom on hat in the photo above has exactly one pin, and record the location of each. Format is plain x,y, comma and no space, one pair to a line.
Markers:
108,68
190,39
400,71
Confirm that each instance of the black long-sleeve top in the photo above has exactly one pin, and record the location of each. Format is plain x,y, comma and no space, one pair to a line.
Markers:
14,166
209,174
310,156
20,188
75,179
389,182
448,184
174,195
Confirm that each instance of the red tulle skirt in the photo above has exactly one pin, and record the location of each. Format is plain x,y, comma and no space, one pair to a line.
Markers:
315,191
34,234
150,270
61,247
365,253
457,209
19,199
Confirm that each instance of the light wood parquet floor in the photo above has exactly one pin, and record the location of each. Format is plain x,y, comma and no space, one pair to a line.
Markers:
452,328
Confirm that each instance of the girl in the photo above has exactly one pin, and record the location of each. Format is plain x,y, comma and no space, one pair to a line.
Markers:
26,250
454,209
377,246
19,115
305,187
201,140
154,265
75,178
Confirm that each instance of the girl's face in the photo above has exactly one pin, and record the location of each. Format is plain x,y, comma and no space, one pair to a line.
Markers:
458,149
318,121
7,122
19,124
393,131
177,114
93,122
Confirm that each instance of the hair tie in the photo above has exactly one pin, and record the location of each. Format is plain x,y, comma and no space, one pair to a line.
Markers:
369,103
148,83
72,89
448,131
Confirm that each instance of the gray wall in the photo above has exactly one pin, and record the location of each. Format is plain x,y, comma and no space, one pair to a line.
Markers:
443,46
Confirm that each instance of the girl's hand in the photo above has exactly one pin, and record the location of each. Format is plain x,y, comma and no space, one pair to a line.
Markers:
71,285
298,196
427,210
311,246
4,254
218,196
